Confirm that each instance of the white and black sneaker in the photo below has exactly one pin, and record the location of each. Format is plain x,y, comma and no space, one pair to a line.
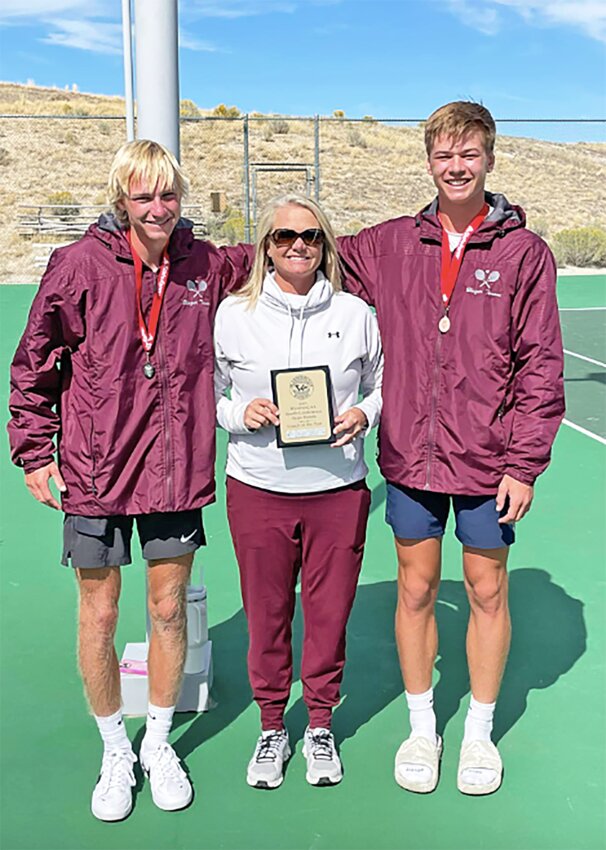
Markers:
113,797
266,767
323,763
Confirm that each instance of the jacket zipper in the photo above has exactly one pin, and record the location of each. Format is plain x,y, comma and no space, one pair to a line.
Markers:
435,391
165,405
93,470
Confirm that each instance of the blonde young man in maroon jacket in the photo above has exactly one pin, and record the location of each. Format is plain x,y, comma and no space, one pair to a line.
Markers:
472,400
127,312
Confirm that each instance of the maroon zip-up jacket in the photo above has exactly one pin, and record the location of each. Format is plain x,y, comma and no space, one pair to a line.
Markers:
463,408
126,444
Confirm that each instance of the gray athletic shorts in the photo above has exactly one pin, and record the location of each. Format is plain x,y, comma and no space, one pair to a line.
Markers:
90,542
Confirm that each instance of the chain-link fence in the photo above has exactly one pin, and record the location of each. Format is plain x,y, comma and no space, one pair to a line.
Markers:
55,168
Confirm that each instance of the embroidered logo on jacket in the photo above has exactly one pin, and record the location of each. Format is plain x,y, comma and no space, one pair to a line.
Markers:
485,278
196,289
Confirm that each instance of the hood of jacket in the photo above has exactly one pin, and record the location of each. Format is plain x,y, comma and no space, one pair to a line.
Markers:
112,234
502,218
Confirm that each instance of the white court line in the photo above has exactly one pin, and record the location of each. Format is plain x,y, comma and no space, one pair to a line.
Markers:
572,424
585,431
579,309
588,359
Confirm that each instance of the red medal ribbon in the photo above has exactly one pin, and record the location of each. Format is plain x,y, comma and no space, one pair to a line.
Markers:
451,263
148,335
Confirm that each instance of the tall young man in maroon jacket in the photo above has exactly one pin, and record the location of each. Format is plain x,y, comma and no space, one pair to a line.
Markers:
473,397
127,313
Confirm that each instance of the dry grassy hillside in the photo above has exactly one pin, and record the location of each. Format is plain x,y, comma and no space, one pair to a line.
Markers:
369,171
16,99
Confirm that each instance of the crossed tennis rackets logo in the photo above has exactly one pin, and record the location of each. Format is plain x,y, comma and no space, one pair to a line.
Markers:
486,277
196,289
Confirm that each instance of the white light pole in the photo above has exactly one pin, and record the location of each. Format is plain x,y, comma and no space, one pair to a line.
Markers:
157,71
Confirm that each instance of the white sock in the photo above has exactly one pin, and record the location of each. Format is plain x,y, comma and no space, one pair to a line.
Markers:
478,723
113,731
422,715
157,728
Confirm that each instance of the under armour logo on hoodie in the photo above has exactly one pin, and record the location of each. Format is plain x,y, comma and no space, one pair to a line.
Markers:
334,333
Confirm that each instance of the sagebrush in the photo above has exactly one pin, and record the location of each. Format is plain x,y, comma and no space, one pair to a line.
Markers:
580,246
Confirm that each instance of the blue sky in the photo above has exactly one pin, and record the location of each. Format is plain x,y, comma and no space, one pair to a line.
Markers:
386,58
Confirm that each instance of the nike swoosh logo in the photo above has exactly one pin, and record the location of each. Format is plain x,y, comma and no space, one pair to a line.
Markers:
185,539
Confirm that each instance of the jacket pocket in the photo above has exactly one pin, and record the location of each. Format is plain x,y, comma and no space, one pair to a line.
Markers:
500,430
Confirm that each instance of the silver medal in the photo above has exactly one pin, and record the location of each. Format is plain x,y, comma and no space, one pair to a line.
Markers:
148,370
444,325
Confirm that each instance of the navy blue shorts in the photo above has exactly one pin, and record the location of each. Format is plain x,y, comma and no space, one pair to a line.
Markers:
419,514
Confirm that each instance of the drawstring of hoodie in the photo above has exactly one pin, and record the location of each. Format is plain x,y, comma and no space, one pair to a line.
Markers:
303,321
301,318
317,299
292,330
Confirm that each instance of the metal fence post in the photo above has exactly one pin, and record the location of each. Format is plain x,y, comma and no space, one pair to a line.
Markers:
246,182
127,42
317,155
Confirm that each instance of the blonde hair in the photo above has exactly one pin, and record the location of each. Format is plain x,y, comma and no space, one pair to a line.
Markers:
330,264
146,162
454,120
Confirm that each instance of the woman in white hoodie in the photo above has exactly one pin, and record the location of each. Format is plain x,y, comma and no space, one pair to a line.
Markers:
296,509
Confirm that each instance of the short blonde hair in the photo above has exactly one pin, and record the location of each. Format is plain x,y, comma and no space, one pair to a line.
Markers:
457,119
146,162
330,264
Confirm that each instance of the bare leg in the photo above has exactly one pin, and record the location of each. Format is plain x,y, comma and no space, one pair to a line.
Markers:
480,768
167,604
489,630
419,563
99,594
98,615
167,583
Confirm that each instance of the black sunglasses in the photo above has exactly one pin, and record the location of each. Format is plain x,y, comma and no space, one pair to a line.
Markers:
283,236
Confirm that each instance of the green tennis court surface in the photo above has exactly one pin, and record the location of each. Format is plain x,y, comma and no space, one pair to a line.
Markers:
550,717
583,316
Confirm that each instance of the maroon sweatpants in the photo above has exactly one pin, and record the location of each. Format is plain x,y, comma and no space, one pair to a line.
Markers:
276,536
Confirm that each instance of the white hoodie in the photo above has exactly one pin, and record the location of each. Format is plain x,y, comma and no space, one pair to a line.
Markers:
323,327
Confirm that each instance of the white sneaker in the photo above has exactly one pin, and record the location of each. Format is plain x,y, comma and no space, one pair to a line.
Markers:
323,763
266,767
417,766
170,787
113,798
